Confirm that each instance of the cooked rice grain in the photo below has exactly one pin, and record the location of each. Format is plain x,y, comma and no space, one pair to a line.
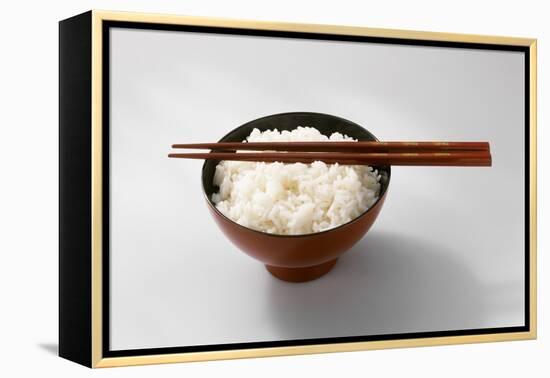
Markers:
293,199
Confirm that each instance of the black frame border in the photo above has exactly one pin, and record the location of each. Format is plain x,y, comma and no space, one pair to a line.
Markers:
75,194
107,25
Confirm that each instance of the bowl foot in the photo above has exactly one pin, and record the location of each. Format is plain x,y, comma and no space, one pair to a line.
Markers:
308,273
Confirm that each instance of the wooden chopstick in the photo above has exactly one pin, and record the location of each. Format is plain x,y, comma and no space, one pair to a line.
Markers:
461,158
360,146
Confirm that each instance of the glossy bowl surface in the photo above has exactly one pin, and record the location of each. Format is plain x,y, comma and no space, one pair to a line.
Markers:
296,258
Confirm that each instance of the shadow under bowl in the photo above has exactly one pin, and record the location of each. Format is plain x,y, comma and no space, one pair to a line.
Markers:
296,258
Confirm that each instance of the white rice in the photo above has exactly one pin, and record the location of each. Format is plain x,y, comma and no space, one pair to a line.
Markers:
293,199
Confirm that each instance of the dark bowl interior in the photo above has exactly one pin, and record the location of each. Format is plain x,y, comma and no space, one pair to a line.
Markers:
325,123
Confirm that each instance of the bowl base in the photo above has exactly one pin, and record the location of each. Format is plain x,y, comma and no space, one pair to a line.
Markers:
309,273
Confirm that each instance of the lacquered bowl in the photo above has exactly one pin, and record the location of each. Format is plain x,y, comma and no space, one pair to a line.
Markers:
296,258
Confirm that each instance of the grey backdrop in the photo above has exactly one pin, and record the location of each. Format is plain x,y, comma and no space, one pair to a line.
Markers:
446,253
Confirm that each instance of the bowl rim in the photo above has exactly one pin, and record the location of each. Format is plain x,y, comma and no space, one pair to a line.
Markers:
381,195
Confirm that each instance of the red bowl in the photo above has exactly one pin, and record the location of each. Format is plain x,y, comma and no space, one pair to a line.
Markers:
296,258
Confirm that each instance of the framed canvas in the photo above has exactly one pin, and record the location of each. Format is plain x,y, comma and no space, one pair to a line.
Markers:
151,270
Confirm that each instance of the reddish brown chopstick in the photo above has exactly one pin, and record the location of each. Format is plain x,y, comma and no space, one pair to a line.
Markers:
360,146
459,159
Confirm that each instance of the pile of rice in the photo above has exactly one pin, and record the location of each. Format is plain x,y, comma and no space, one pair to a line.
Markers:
293,199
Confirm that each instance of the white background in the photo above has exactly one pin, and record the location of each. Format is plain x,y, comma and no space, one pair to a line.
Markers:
446,252
28,206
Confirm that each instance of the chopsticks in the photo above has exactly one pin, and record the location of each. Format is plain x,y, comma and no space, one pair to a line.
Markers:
348,153
360,146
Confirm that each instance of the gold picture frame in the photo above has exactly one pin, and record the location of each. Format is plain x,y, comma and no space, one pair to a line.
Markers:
91,329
